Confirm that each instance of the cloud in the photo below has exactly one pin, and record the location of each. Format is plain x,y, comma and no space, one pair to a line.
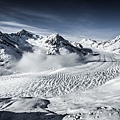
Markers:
12,26
39,61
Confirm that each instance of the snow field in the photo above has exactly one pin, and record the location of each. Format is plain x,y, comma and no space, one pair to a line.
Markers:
63,81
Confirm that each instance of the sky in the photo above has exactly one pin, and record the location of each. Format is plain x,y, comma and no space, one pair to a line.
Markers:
73,19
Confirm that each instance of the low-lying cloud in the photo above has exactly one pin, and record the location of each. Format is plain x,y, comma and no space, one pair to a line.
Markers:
39,61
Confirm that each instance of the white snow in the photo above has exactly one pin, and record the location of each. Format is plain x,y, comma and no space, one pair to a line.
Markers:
50,78
108,46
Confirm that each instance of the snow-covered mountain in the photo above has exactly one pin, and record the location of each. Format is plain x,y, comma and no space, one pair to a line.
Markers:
88,43
109,46
56,44
76,88
12,46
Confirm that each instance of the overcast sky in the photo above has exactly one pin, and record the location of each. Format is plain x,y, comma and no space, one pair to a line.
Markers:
73,19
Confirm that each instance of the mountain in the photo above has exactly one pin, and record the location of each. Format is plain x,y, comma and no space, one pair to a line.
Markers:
111,45
108,46
13,45
88,43
56,44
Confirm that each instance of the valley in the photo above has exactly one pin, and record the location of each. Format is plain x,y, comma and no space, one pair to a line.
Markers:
57,79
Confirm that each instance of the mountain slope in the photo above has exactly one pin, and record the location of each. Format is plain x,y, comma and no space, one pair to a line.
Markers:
12,46
15,47
108,46
57,45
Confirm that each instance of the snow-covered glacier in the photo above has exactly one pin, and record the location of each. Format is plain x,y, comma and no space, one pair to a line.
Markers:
51,78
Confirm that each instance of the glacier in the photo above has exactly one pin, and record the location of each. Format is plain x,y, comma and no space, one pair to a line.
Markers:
51,78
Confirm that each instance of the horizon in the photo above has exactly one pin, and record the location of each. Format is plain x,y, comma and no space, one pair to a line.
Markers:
48,34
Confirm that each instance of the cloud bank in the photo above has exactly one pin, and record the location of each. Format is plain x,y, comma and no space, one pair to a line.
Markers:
39,61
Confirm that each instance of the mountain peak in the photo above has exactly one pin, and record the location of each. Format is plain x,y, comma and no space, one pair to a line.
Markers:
1,33
88,41
25,32
118,37
55,36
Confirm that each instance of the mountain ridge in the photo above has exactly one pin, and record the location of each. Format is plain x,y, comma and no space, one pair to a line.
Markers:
12,46
108,46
